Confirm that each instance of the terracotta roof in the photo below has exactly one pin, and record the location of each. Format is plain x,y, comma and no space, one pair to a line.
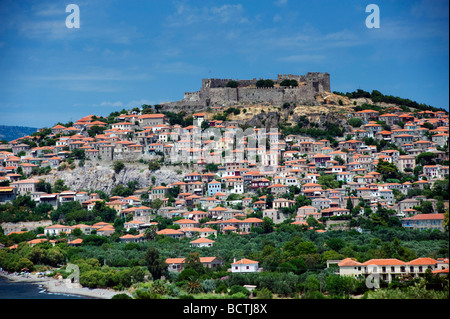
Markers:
382,262
202,240
423,261
244,261
426,216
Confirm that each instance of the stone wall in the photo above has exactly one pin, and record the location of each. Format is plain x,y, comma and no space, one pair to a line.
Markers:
215,93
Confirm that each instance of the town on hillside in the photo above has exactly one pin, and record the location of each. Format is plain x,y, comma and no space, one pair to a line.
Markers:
389,168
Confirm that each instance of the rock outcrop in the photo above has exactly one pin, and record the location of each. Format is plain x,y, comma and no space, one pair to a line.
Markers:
100,176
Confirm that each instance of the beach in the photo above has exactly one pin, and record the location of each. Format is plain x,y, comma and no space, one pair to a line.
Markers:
58,286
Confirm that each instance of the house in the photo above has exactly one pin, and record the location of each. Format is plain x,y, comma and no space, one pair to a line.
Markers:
221,213
408,203
206,232
202,242
406,163
260,204
152,119
128,238
133,224
159,192
367,115
246,225
173,233
117,205
25,186
260,183
214,187
320,159
75,243
281,203
424,221
7,194
275,215
244,265
106,230
57,229
177,264
388,269
277,189
199,118
187,223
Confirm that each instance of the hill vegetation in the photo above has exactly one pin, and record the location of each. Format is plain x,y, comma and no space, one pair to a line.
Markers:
10,133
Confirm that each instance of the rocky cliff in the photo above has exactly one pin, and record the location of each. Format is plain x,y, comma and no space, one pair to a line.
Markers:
100,176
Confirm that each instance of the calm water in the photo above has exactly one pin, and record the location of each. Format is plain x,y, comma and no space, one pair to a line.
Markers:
20,290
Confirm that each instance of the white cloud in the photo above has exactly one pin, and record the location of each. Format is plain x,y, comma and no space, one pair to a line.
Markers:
109,104
303,58
138,103
120,104
281,2
187,15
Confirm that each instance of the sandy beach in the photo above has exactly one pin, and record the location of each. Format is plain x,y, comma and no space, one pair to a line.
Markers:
60,286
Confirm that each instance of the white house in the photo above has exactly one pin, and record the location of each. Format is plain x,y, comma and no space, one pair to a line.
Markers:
202,242
245,265
214,187
55,230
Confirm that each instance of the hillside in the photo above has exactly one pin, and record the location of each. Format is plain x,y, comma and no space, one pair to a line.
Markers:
10,133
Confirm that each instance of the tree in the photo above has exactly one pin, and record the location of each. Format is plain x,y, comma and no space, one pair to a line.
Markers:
44,186
355,122
107,214
193,262
155,265
232,84
154,165
267,225
328,181
388,170
95,130
118,166
349,204
288,82
426,207
59,186
211,167
78,153
156,204
336,243
426,158
264,83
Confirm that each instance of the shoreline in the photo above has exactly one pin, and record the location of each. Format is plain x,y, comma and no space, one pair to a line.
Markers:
57,286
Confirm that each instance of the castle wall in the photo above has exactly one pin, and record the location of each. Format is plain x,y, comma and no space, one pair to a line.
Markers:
219,95
272,95
215,92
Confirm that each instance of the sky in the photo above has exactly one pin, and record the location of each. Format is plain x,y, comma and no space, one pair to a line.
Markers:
128,53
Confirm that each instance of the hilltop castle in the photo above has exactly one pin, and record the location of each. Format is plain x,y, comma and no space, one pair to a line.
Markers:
214,92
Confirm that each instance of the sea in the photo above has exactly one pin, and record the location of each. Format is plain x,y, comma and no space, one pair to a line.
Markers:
21,290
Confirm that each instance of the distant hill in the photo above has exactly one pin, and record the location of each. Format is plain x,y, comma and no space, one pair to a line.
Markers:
11,133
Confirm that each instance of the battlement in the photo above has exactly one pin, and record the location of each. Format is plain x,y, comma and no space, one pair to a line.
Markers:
215,91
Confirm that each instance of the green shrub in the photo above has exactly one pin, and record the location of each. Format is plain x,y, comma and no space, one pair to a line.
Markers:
121,296
239,289
264,293
221,288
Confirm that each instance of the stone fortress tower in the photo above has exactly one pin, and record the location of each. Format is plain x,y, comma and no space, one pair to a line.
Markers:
214,92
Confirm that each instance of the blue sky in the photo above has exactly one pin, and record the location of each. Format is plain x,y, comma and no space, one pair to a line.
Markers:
129,53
